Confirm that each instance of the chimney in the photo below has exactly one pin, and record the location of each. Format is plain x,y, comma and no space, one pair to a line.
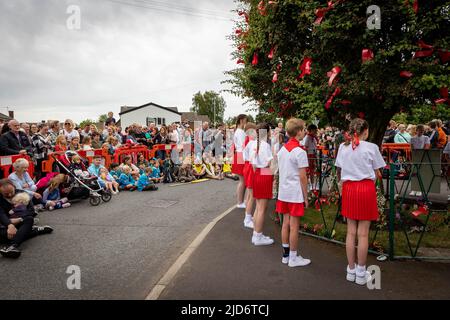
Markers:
11,114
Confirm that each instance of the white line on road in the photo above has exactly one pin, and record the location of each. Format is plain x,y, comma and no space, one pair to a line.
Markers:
170,274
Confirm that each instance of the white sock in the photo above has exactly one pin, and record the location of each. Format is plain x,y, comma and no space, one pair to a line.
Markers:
354,266
257,235
248,217
292,255
285,245
360,269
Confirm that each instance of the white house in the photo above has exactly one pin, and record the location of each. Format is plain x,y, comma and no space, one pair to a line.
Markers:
148,113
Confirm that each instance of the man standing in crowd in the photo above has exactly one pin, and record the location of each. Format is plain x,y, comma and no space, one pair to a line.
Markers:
14,232
402,136
442,136
390,133
41,147
15,141
420,141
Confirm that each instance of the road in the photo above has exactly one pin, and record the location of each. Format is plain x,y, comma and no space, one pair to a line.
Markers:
122,248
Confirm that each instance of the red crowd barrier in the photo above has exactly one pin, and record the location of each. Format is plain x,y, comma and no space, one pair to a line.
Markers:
397,147
6,164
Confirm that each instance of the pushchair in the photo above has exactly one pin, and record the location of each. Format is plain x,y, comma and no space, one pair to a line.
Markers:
96,192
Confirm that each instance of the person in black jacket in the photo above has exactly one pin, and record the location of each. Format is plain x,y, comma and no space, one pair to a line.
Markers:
15,231
15,141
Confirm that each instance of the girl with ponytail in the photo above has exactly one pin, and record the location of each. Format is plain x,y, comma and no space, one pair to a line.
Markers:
260,157
359,162
238,161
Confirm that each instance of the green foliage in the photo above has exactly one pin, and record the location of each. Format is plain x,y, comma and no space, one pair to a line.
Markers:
102,118
211,104
86,122
374,88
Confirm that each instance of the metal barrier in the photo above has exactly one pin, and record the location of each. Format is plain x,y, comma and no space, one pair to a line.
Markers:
405,220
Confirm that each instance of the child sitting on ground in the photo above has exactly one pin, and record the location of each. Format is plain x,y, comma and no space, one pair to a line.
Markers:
185,171
199,169
210,167
226,169
78,168
156,173
107,182
126,181
20,206
95,167
128,161
144,183
142,161
115,171
52,195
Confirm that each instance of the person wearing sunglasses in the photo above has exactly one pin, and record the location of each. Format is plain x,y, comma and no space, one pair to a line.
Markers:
69,130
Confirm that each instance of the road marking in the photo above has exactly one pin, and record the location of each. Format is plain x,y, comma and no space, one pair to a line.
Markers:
170,274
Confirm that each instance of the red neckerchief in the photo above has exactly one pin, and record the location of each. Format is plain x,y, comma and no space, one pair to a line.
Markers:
247,140
292,144
355,141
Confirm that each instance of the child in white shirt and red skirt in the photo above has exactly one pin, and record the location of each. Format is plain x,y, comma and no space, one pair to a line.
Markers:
359,162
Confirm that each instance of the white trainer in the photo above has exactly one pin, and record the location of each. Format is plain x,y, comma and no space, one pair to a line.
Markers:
241,206
363,278
249,224
265,237
351,274
285,260
412,194
263,241
298,261
418,194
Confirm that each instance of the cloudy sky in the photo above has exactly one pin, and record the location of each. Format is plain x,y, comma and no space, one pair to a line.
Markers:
127,52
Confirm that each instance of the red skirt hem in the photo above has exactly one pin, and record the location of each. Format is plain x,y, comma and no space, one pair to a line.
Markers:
359,200
293,209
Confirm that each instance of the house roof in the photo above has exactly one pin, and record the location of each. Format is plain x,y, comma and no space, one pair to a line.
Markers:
192,117
125,110
4,117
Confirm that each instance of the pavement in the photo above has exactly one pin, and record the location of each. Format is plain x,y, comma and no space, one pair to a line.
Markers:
122,248
227,266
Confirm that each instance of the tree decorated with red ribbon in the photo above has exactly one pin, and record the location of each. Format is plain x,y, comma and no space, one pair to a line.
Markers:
334,67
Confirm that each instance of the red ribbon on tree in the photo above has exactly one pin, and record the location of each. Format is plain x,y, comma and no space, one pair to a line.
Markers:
242,46
320,13
271,53
333,74
240,61
345,102
275,76
367,55
262,8
406,74
415,5
255,59
331,98
361,115
444,95
305,67
428,50
444,55
245,14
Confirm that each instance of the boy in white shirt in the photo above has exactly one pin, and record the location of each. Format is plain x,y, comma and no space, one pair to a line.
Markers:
292,192
310,143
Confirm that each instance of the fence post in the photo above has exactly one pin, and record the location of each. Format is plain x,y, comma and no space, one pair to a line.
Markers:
391,209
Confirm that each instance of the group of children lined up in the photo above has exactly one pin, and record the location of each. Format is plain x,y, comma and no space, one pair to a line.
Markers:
359,163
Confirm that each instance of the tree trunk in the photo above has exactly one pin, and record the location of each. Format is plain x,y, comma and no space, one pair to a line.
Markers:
378,126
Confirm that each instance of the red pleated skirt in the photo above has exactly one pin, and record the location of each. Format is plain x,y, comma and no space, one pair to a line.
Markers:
248,175
263,184
238,164
359,200
293,209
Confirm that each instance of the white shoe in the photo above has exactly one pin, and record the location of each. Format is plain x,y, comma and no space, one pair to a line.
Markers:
249,224
351,274
363,278
418,194
285,260
263,241
298,261
265,237
241,206
412,194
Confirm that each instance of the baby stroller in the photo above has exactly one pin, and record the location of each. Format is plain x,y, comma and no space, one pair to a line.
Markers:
96,192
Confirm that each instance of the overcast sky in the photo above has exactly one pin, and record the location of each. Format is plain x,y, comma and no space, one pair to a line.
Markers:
127,52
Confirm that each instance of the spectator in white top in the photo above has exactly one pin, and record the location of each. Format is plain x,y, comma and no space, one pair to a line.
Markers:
69,130
402,136
22,180
420,141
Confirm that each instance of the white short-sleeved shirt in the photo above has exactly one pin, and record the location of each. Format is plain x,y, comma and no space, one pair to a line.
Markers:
418,143
361,163
246,152
289,163
263,158
239,140
310,144
73,134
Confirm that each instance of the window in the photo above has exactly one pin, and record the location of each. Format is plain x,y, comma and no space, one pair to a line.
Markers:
150,120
